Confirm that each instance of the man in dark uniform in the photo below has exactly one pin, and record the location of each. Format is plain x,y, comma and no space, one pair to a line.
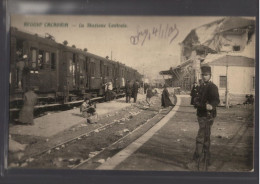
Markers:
206,103
135,90
128,91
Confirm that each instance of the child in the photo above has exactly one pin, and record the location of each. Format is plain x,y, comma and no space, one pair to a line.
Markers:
88,110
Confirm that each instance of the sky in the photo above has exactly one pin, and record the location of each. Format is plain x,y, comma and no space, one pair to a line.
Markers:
149,44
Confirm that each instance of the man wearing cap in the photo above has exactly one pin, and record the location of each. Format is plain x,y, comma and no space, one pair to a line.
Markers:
206,103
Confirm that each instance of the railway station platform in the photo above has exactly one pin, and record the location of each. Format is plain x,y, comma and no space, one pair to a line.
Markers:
56,122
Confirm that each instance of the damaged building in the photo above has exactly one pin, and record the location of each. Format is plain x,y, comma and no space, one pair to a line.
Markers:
228,46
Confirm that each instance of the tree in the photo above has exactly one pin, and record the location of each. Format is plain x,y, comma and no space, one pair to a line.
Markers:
65,42
73,46
85,49
107,57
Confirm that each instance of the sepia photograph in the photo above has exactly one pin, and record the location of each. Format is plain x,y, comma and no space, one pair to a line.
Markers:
132,93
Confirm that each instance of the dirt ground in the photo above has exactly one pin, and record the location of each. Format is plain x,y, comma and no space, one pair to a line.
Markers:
232,139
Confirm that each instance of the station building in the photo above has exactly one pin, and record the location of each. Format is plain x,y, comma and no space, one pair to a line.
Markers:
228,46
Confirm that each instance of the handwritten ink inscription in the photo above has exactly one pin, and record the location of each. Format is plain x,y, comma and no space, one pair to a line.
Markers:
161,32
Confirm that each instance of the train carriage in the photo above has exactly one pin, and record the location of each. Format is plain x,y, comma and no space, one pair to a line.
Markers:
59,73
39,70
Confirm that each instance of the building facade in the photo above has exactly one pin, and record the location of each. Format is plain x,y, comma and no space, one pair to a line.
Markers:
228,45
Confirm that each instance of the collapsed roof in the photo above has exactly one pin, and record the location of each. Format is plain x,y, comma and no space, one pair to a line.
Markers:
208,35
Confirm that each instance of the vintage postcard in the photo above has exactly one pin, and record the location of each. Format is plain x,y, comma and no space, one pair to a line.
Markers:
143,93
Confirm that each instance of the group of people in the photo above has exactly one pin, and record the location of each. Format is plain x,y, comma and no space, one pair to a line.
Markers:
108,89
131,91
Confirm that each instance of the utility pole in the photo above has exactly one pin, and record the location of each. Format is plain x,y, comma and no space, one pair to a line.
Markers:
143,78
227,93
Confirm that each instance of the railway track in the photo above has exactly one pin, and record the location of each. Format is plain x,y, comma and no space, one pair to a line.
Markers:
113,125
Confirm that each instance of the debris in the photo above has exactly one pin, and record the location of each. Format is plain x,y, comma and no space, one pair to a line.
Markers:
184,130
13,165
24,164
219,136
101,129
178,140
130,117
74,107
19,155
83,125
240,118
221,128
96,130
49,152
47,140
79,138
57,162
57,148
126,130
101,161
63,146
30,159
92,154
108,158
121,123
60,159
15,146
73,129
119,133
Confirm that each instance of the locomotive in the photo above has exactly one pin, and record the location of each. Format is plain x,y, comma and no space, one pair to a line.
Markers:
59,73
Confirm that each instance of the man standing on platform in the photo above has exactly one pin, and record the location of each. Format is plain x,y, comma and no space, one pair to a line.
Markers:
135,90
206,103
128,91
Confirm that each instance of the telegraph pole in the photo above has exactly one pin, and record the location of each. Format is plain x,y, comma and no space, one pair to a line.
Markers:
227,93
143,78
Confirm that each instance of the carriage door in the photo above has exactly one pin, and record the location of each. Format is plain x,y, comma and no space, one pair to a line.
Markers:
86,73
92,72
81,72
102,71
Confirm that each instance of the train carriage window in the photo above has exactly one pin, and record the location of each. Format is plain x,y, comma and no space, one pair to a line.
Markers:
33,58
74,63
53,61
47,59
40,59
107,71
92,69
86,64
72,70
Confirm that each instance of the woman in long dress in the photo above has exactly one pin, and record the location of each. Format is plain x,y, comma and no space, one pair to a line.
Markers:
26,113
166,102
